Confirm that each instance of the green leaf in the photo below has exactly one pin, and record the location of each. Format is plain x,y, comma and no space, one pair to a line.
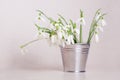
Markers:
63,19
81,13
38,27
73,24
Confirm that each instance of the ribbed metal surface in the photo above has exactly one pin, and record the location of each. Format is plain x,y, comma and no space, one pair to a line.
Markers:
75,57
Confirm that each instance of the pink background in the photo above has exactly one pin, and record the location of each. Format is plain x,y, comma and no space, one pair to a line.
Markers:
17,19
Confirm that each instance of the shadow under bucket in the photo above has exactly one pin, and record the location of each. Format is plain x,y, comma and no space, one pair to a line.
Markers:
74,57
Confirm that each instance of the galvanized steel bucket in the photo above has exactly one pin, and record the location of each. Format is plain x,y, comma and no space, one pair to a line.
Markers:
75,57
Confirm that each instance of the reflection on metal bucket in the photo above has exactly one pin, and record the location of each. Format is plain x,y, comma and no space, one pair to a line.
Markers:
75,57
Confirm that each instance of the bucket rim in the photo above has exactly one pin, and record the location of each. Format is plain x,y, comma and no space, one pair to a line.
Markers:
76,45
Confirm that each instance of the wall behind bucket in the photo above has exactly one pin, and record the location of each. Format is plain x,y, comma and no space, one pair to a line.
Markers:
17,18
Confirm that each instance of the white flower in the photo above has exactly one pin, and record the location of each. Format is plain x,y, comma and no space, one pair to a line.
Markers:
81,21
59,33
52,27
44,35
97,16
77,31
56,24
77,34
103,22
96,38
70,40
64,35
41,18
53,39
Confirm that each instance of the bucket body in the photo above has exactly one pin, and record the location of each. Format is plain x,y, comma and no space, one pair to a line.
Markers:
74,57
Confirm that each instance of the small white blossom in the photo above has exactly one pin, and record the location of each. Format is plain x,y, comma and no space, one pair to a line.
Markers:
59,33
43,35
41,18
77,34
53,39
97,16
52,27
96,38
57,24
103,22
81,21
70,40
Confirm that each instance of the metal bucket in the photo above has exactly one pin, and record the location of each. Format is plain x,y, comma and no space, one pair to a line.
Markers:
75,57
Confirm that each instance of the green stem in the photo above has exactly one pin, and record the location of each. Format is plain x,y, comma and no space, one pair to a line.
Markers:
28,43
51,20
92,25
92,28
80,33
63,19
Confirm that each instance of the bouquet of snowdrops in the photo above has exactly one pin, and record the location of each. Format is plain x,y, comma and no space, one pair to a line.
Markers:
62,32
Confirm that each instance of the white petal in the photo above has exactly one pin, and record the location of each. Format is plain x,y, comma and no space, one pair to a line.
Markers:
78,20
53,39
45,35
77,31
83,21
68,41
103,22
52,27
71,39
56,24
96,38
42,19
59,33
98,16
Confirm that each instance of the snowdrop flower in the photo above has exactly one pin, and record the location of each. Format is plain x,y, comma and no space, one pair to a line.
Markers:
65,28
71,27
70,40
42,19
97,16
77,33
53,39
103,22
59,33
45,35
52,27
96,37
57,24
81,21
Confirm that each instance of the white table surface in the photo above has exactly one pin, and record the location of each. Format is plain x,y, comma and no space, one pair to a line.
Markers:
57,75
